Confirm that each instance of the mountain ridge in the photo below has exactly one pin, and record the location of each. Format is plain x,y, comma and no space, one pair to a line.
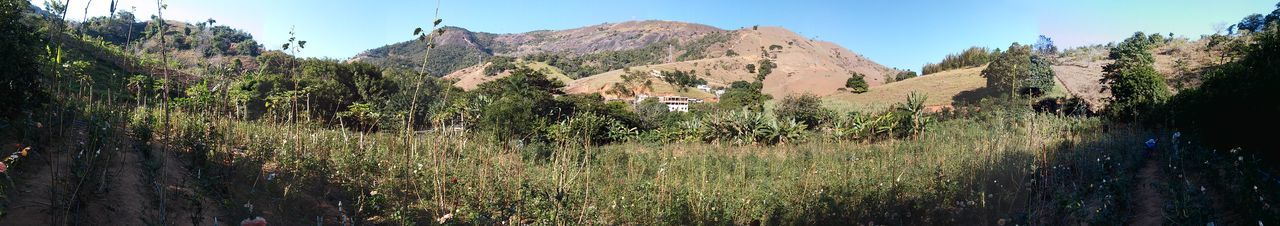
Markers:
804,65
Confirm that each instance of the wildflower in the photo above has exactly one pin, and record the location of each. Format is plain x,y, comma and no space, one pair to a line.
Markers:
374,192
255,221
3,168
453,180
1202,189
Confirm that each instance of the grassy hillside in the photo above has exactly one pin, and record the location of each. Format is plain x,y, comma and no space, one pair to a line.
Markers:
943,88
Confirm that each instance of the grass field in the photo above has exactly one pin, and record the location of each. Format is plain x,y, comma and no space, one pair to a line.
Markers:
943,88
981,170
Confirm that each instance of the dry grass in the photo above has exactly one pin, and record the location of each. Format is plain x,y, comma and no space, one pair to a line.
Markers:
941,87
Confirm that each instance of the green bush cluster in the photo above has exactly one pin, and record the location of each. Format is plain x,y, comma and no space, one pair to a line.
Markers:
499,64
683,79
972,57
1019,71
1136,87
857,83
20,66
1235,104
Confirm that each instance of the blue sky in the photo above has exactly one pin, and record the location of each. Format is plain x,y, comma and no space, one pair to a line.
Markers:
896,33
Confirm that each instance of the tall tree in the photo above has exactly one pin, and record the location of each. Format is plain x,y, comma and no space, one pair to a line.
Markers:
1008,69
1135,85
19,74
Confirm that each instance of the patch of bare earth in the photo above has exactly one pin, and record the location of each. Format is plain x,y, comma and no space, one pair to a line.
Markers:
1148,204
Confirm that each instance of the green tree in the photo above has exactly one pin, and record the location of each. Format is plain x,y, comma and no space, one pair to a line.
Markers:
1236,104
972,57
19,74
766,68
742,94
1009,69
805,109
522,104
905,75
857,83
1136,87
1040,77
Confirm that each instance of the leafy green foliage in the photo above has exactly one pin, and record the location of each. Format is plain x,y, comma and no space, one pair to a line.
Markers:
1237,101
1258,22
905,75
596,63
742,94
1136,87
972,57
1009,69
19,72
806,109
682,79
857,83
1040,77
499,64
766,68
697,49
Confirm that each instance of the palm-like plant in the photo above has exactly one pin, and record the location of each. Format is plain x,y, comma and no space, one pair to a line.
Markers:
912,112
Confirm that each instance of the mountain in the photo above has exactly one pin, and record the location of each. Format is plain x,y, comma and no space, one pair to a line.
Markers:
597,56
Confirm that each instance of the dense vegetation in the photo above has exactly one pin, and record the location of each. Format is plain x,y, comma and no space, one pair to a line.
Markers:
1236,100
766,68
1135,85
683,79
315,141
972,57
1019,71
19,79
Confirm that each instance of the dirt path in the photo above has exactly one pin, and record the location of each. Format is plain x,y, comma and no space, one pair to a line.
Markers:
121,191
1148,203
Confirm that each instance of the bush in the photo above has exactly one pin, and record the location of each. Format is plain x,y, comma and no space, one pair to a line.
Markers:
972,57
499,64
744,95
1136,87
19,72
1236,103
806,109
1040,78
682,79
766,68
1008,70
857,83
905,75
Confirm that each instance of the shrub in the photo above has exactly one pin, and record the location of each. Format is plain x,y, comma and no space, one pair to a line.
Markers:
1136,87
1040,78
682,79
806,109
857,83
19,71
1007,70
972,57
499,64
744,95
766,68
1237,100
905,75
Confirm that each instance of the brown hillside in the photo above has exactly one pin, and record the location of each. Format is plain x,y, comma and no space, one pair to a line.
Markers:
804,65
